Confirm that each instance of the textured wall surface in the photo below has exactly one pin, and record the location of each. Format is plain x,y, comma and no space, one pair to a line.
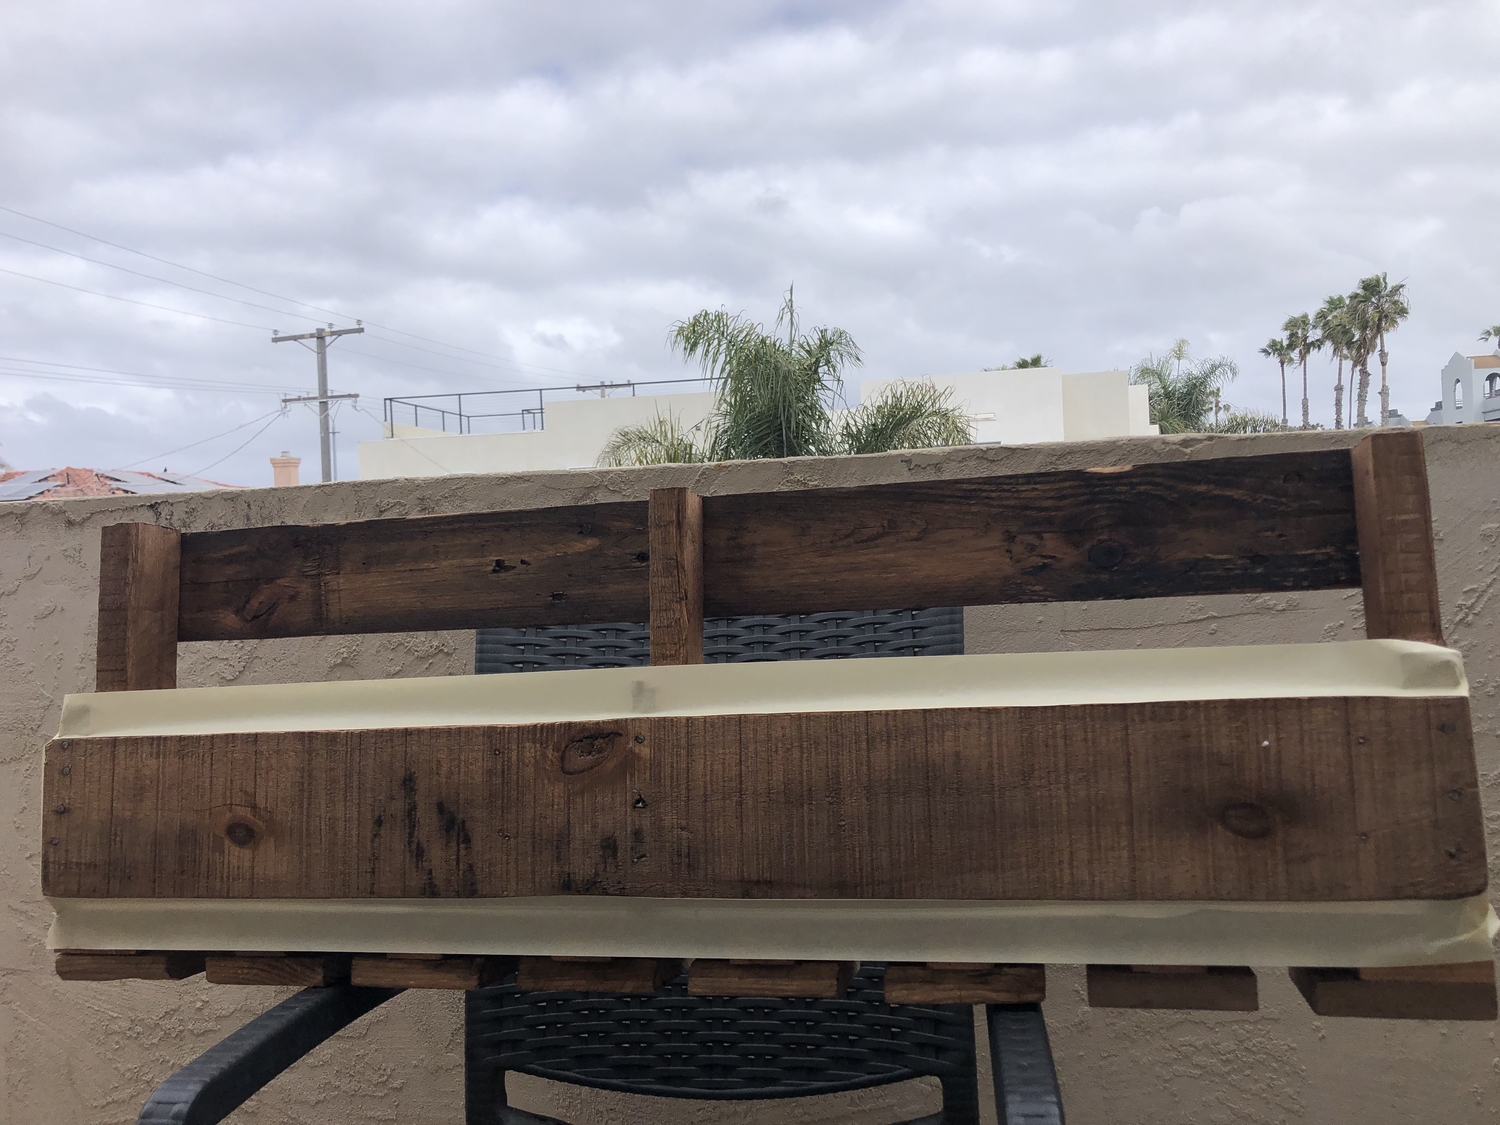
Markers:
90,1053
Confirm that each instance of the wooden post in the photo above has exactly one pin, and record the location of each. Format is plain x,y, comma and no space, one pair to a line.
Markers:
139,570
1398,569
675,521
1393,515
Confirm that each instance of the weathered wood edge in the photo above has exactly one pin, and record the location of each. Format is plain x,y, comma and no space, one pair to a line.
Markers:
676,576
139,590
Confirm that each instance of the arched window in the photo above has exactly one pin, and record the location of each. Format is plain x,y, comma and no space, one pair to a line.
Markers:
1458,394
1492,385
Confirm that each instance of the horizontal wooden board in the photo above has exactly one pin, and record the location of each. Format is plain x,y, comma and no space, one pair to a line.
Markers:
1283,521
550,566
299,970
1216,988
1250,800
456,973
965,984
1230,525
630,976
81,964
810,980
1428,992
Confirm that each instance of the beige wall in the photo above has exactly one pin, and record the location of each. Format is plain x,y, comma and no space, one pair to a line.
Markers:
90,1053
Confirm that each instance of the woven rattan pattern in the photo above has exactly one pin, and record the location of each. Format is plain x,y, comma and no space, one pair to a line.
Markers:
675,1045
809,636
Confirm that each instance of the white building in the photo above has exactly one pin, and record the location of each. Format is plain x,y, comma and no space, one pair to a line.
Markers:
1012,407
1471,391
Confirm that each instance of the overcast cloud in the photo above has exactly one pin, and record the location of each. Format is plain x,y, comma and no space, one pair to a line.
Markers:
553,185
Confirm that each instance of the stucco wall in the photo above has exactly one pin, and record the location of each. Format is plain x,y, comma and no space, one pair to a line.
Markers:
89,1053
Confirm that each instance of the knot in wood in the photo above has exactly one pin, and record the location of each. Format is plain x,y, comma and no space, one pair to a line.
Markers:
1246,820
588,751
1106,554
241,833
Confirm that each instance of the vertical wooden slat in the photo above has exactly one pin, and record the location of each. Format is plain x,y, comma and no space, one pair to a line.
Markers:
676,542
1394,518
139,573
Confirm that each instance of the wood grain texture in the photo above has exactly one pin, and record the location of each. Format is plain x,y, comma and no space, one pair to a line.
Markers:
1282,521
1397,561
1230,800
811,980
965,984
139,567
103,965
299,970
628,976
1429,992
457,973
676,519
551,566
1217,988
1229,525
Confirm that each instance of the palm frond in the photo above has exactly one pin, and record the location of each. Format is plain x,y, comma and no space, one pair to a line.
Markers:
1183,392
911,414
661,441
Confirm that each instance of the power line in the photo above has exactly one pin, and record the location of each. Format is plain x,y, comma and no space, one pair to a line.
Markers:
164,385
133,301
283,297
194,445
236,449
152,380
153,277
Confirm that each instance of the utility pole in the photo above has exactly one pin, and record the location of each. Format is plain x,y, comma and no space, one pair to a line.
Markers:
322,398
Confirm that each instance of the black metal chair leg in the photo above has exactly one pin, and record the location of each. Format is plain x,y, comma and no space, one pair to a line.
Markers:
1026,1090
224,1077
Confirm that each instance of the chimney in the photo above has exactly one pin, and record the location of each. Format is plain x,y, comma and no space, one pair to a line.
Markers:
284,470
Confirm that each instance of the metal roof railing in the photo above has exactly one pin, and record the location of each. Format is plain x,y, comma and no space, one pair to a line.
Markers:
509,411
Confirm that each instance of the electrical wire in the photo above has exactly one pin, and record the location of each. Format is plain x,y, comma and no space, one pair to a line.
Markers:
194,445
133,301
236,449
283,297
163,280
133,378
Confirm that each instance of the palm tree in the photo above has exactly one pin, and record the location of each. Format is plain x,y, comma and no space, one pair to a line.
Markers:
1361,345
1276,348
1491,333
1022,363
1332,323
1185,394
775,396
1385,307
1301,342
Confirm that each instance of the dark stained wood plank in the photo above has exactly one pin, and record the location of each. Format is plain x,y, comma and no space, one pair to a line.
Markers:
460,973
812,980
300,970
1425,992
550,566
676,519
1216,800
80,964
1215,988
1394,514
628,976
139,566
965,984
1228,525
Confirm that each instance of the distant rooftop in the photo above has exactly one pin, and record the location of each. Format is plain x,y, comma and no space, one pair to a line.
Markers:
62,484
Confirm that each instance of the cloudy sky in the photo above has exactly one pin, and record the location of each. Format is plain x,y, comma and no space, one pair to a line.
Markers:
527,195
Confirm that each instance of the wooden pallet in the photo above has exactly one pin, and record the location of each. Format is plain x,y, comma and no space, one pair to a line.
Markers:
1287,521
